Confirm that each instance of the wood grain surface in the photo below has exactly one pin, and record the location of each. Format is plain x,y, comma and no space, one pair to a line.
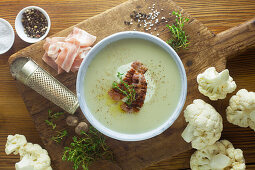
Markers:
217,15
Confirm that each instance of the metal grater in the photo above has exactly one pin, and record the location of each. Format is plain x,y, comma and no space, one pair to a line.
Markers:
30,74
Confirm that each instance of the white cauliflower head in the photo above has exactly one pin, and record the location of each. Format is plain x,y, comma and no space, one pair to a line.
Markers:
204,124
241,109
32,156
215,85
219,156
14,143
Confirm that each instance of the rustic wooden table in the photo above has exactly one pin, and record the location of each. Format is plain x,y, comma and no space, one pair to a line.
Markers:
217,15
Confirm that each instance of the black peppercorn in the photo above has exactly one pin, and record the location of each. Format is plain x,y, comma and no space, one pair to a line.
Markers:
34,22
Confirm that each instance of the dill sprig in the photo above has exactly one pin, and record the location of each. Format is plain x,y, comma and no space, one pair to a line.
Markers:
179,38
50,123
60,135
128,90
87,149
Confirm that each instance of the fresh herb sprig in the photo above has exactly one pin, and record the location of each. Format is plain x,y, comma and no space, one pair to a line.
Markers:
50,123
128,90
55,115
179,38
59,137
51,117
87,149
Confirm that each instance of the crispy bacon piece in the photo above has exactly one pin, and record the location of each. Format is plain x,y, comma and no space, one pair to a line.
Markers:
135,77
139,67
115,95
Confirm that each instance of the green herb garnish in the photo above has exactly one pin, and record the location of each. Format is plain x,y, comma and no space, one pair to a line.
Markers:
55,115
50,123
179,38
128,90
60,135
87,149
51,117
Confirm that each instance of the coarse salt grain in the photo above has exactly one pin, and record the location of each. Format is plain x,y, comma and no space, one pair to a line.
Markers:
5,36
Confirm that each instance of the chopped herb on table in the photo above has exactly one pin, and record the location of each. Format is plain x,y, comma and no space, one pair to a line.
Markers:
124,88
55,115
179,38
50,123
51,117
87,149
60,135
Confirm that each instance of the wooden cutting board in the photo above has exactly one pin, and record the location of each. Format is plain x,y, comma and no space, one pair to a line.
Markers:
205,49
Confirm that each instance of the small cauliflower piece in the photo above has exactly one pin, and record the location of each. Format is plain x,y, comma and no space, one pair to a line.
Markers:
14,143
32,156
241,109
219,156
204,124
24,164
215,85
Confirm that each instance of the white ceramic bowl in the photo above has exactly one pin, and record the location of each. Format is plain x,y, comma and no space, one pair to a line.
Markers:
12,35
80,86
20,29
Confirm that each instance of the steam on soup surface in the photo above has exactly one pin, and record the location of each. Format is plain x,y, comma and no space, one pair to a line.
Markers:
162,70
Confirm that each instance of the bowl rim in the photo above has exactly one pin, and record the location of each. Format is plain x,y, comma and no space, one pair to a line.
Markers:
82,72
13,35
20,31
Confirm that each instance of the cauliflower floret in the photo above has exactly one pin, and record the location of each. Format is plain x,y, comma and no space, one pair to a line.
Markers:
14,143
215,85
204,124
241,109
221,155
32,156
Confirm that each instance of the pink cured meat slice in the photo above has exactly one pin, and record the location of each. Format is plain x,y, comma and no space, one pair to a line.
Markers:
47,44
54,49
50,41
67,55
49,61
78,60
82,36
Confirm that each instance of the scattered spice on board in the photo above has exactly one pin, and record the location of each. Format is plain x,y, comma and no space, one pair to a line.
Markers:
34,22
148,21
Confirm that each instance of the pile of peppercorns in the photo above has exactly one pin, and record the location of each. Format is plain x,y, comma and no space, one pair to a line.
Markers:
34,22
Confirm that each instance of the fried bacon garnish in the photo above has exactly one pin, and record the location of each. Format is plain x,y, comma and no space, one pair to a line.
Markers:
134,77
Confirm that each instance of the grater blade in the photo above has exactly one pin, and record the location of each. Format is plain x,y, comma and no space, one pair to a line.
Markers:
32,75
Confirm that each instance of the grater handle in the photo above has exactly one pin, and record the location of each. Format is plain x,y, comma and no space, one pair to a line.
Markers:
46,85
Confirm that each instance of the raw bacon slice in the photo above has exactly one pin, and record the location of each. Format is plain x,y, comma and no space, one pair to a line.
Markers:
54,49
67,56
52,63
78,60
50,41
82,36
49,61
67,53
